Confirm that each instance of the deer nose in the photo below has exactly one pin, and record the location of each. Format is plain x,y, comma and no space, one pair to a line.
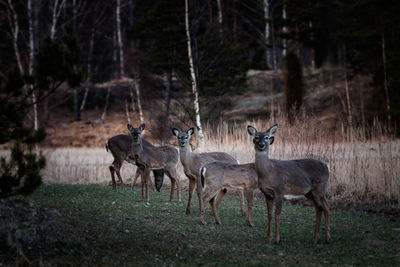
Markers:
261,145
183,143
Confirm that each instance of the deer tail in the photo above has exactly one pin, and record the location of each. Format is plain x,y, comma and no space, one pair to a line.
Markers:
202,173
107,147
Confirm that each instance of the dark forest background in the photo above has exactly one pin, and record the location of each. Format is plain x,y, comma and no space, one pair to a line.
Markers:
123,43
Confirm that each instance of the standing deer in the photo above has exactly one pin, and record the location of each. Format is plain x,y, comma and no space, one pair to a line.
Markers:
217,175
152,158
308,177
119,146
192,162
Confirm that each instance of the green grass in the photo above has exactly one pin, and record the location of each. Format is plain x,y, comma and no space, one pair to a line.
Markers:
112,227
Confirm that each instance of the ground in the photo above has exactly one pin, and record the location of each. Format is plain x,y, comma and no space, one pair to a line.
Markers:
95,225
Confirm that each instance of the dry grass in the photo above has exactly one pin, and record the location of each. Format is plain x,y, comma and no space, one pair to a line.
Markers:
360,168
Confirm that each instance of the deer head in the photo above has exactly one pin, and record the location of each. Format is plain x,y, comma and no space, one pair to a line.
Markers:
183,137
262,140
136,133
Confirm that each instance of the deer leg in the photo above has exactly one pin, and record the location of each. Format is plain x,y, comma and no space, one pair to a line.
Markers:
199,190
173,176
326,215
142,179
205,199
112,176
171,195
318,214
241,196
119,177
278,208
270,202
192,183
137,174
214,210
220,197
249,218
146,181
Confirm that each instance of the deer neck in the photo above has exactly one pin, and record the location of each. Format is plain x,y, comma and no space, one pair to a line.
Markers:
185,154
137,148
262,157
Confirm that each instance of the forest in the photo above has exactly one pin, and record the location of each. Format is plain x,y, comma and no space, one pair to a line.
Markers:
324,74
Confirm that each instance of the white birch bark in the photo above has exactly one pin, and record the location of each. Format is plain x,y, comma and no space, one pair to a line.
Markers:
267,31
103,116
193,75
119,37
349,113
284,42
57,8
31,63
12,17
310,24
139,103
219,15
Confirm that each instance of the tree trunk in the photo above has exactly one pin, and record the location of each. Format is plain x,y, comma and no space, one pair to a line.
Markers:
103,116
220,16
119,35
139,103
349,113
14,26
210,11
267,33
57,8
168,77
310,24
128,118
385,78
76,105
193,76
234,21
31,63
284,42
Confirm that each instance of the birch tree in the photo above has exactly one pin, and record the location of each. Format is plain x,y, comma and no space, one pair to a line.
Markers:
56,11
285,30
219,16
267,31
193,77
31,62
119,39
12,18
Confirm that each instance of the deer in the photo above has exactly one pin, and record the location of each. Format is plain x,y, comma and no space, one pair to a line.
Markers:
152,158
192,162
308,177
119,146
218,175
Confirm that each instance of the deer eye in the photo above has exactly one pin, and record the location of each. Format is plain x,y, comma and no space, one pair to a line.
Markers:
266,138
256,138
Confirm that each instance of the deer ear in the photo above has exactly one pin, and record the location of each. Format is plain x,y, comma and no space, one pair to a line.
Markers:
130,128
142,126
272,130
190,131
271,140
251,130
175,132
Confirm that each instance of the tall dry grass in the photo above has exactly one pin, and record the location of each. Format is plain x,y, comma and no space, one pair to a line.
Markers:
364,163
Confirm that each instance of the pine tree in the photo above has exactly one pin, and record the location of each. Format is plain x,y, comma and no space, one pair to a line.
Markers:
293,85
56,64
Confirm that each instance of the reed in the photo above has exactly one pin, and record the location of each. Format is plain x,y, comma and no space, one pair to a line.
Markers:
364,162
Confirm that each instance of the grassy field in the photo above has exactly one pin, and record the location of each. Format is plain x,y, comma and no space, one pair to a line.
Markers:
94,225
